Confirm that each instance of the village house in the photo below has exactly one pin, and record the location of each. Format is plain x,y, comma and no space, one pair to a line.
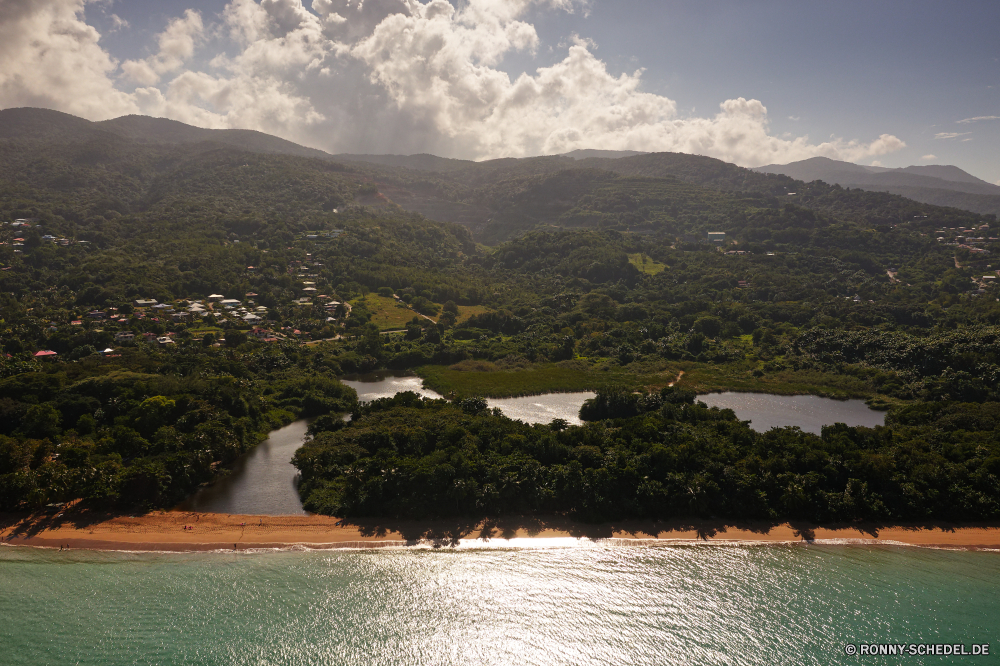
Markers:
125,336
261,334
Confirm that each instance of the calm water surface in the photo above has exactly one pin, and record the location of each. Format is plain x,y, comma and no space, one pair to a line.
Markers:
543,408
809,412
590,605
261,482
382,385
532,409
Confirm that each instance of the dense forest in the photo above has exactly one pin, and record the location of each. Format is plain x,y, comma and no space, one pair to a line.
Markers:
168,295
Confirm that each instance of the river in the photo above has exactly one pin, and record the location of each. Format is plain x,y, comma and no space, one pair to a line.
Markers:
261,482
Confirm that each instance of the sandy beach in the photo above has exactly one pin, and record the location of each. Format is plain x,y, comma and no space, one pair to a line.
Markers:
165,531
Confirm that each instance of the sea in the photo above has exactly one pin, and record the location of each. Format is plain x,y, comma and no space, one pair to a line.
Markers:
547,602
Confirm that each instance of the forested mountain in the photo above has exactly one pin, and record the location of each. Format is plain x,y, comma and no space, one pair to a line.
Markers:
45,124
166,301
934,184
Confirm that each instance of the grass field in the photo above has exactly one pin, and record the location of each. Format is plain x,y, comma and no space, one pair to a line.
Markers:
387,313
491,382
646,264
466,311
705,377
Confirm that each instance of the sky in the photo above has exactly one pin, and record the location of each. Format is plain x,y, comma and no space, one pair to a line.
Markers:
890,83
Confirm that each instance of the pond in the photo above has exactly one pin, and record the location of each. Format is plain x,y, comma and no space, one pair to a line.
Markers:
809,412
261,482
543,408
530,409
385,385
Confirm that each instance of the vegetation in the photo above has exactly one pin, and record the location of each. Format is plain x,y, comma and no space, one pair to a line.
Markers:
490,380
651,456
274,273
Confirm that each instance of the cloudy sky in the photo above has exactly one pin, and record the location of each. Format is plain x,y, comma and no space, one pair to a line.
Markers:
894,82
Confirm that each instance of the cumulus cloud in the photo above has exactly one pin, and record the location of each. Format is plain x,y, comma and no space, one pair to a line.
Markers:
929,157
950,135
436,63
404,76
50,57
176,46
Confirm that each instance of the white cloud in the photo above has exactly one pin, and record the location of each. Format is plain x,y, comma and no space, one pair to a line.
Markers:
950,135
794,118
50,57
436,64
408,76
929,157
177,44
877,163
966,121
118,23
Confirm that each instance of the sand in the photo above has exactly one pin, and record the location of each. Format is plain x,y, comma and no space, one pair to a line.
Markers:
164,531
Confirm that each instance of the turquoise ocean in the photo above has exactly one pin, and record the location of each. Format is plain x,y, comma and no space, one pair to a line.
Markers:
593,604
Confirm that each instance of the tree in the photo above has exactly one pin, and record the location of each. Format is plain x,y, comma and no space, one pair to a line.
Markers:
371,342
41,421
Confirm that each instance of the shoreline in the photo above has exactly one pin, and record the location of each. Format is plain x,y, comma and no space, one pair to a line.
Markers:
164,532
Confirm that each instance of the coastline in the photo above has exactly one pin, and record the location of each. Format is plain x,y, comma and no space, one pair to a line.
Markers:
164,531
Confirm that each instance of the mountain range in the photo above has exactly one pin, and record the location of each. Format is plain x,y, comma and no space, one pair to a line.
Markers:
676,194
941,185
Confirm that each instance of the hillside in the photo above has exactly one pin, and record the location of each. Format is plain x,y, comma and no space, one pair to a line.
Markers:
47,125
935,184
164,302
496,199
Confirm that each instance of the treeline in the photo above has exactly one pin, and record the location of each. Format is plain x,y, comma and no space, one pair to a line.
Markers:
145,430
653,456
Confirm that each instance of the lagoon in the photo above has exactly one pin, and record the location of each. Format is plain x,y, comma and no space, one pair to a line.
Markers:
541,409
263,480
808,412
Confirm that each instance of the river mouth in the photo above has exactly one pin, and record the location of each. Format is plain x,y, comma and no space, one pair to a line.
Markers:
264,481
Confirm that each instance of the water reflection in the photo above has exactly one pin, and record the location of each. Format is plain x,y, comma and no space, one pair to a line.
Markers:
261,482
809,412
543,408
385,385
531,409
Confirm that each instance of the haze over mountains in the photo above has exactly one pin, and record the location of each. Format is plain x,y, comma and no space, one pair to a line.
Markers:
673,195
940,185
